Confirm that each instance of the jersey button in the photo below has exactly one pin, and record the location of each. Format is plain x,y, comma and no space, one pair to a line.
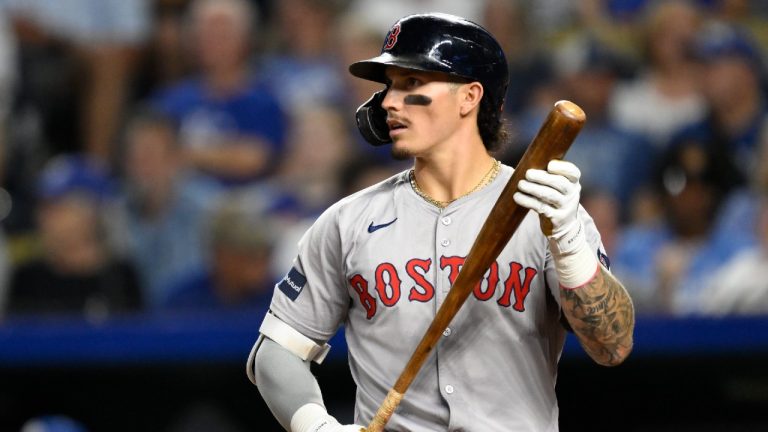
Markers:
447,220
449,389
445,242
447,331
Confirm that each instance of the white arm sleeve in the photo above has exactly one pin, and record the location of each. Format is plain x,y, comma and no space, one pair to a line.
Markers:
284,381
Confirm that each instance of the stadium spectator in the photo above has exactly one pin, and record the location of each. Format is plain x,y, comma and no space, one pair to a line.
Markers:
733,85
739,287
164,206
665,265
77,272
230,124
301,67
238,275
665,96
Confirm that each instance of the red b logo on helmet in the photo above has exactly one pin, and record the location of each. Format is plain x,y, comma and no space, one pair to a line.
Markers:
392,37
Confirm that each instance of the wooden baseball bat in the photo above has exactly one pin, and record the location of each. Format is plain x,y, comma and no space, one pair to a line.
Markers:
552,141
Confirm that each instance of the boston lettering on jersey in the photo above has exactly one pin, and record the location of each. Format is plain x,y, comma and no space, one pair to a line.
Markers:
390,284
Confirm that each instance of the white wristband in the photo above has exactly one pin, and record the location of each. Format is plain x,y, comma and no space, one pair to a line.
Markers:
577,269
574,261
312,418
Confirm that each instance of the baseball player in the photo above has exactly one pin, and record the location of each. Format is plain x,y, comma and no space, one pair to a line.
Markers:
381,261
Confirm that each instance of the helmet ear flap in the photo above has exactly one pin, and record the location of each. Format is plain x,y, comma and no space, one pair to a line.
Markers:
371,119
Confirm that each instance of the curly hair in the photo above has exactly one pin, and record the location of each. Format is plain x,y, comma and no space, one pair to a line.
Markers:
490,123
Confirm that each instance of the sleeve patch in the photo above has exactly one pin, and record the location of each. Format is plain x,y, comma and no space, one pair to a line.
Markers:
292,284
604,259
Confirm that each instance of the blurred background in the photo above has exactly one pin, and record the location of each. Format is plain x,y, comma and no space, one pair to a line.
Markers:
159,160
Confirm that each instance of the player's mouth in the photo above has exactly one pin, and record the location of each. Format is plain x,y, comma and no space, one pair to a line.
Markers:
396,127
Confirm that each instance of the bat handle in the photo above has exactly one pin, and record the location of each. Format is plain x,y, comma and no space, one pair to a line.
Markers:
546,225
386,409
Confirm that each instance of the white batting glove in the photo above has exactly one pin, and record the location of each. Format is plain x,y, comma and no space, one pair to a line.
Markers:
555,194
314,418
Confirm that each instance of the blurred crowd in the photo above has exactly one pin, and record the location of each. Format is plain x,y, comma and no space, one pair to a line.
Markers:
165,156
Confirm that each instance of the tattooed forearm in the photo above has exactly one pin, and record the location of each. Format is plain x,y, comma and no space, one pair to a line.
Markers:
602,317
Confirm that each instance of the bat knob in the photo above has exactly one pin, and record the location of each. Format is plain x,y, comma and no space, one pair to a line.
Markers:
570,110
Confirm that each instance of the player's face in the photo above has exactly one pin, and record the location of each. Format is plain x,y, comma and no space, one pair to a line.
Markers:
422,110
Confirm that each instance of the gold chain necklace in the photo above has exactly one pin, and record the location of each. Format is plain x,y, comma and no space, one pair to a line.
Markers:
486,180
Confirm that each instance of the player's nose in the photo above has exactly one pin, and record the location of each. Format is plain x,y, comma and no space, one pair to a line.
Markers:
393,100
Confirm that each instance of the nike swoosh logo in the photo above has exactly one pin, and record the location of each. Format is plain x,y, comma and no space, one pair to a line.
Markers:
372,227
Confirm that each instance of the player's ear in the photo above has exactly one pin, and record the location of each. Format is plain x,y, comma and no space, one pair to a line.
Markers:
470,96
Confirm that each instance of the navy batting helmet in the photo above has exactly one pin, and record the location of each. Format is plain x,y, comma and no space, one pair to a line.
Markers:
440,43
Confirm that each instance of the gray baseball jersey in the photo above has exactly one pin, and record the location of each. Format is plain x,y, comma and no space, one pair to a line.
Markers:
381,262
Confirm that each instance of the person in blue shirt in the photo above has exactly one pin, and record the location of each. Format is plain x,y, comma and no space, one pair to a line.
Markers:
230,123
302,66
733,84
667,263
